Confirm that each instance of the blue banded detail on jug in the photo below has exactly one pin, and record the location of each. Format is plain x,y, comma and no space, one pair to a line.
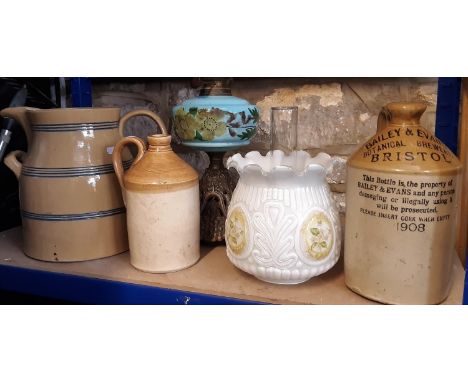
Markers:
76,127
71,172
69,217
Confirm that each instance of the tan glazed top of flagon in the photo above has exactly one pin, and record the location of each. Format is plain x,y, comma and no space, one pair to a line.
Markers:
157,169
401,144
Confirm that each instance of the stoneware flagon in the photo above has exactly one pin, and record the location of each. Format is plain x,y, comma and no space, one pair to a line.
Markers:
401,211
161,194
70,202
282,225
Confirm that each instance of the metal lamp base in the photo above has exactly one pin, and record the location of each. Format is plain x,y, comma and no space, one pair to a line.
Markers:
216,187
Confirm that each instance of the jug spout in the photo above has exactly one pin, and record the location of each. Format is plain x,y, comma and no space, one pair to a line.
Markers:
19,114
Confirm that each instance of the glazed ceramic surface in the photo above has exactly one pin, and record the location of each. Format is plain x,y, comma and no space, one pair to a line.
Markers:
162,199
402,201
70,200
215,120
282,224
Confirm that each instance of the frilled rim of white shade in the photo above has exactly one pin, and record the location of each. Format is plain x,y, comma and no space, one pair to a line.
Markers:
297,162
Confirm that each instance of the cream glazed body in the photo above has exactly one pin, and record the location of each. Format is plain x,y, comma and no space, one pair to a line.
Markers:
163,238
282,224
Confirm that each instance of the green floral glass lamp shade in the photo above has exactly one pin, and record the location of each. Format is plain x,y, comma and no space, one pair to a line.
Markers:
215,120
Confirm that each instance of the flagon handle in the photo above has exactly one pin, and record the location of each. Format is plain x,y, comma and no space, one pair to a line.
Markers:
142,112
117,158
138,142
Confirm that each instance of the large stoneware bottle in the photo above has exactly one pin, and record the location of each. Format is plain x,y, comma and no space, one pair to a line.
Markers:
161,194
401,213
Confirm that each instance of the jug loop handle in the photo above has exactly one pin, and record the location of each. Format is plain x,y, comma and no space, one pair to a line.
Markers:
383,119
117,158
215,195
13,162
142,112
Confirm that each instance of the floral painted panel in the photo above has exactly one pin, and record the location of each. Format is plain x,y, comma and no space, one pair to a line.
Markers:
318,235
208,124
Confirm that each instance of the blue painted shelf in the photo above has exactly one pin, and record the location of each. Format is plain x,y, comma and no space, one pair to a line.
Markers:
106,281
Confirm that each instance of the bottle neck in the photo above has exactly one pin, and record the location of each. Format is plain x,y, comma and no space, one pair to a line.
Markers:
159,143
159,148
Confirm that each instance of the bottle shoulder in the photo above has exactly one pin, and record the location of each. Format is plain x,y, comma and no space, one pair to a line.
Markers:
160,171
406,149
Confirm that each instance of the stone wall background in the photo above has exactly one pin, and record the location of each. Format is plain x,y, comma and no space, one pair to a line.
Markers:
336,115
333,112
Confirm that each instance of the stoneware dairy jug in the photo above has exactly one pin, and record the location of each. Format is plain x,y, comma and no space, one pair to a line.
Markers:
282,225
70,201
401,209
161,193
